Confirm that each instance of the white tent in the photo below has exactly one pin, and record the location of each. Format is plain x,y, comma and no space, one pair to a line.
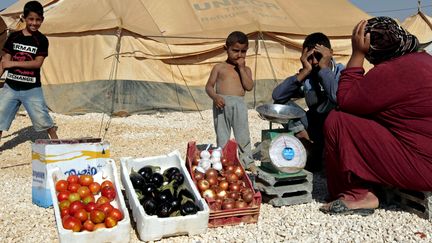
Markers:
147,55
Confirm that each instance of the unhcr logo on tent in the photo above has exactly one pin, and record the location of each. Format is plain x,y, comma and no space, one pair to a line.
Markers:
233,3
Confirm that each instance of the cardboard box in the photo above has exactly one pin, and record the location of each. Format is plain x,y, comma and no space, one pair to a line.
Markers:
72,156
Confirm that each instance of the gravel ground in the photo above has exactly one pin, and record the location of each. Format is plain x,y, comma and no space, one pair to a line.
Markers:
149,135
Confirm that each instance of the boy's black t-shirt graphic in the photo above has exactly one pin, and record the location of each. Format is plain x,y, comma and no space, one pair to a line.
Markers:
25,48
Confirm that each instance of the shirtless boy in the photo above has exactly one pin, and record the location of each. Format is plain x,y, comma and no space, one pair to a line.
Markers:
226,86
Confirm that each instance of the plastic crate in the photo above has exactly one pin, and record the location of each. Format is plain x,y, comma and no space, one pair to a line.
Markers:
152,228
228,216
103,169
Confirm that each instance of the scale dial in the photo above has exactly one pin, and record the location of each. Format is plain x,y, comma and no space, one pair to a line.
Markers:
287,154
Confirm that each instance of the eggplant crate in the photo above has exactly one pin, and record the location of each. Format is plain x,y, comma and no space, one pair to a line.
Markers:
151,227
102,169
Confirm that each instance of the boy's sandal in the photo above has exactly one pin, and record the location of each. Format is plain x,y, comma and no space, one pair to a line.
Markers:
338,207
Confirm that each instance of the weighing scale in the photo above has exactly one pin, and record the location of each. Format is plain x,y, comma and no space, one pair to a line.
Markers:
281,151
281,177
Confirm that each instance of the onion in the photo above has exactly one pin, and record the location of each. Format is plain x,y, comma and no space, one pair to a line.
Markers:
199,175
240,204
209,193
234,187
222,194
224,185
233,195
211,173
203,185
248,196
228,204
231,177
212,180
238,170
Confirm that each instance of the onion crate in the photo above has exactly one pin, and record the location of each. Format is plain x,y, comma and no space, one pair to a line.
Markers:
151,227
102,169
233,216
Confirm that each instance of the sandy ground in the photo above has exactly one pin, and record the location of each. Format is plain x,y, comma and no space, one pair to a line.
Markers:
149,135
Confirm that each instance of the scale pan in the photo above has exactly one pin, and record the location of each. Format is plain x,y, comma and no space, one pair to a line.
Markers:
279,113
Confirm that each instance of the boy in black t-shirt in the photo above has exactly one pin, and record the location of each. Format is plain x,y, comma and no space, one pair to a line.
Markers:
25,52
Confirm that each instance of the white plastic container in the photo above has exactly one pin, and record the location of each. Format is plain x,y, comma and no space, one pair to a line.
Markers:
105,169
152,227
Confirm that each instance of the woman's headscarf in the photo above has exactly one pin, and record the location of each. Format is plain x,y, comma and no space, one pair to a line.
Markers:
388,40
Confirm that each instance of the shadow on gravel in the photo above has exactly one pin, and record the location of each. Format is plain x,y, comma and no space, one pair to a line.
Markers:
22,136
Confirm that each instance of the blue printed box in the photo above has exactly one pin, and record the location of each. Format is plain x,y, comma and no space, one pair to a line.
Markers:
73,156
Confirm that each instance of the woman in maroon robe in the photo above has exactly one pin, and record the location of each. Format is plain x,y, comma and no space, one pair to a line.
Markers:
381,132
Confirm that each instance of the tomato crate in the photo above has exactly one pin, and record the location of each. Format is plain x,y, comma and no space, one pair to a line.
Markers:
152,227
224,217
101,170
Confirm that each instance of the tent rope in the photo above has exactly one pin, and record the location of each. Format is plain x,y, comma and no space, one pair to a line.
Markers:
113,73
255,71
261,35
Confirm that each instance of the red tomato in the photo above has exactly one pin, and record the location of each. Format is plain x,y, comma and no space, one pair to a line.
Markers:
116,214
74,196
61,185
73,179
99,226
108,192
84,191
88,225
64,204
106,208
64,212
94,187
73,187
63,195
72,223
75,206
97,216
107,183
110,222
91,206
85,180
81,214
88,199
102,200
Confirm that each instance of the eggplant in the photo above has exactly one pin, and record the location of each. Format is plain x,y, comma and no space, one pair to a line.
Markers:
149,190
164,196
179,177
156,179
188,208
136,179
170,171
164,210
185,192
150,206
147,171
175,203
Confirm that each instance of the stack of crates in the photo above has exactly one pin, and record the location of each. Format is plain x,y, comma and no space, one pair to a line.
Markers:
416,202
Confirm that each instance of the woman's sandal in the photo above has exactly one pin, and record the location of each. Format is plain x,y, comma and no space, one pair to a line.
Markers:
338,207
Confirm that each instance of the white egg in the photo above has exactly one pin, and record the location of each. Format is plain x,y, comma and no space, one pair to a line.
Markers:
205,154
217,166
215,160
216,153
205,164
